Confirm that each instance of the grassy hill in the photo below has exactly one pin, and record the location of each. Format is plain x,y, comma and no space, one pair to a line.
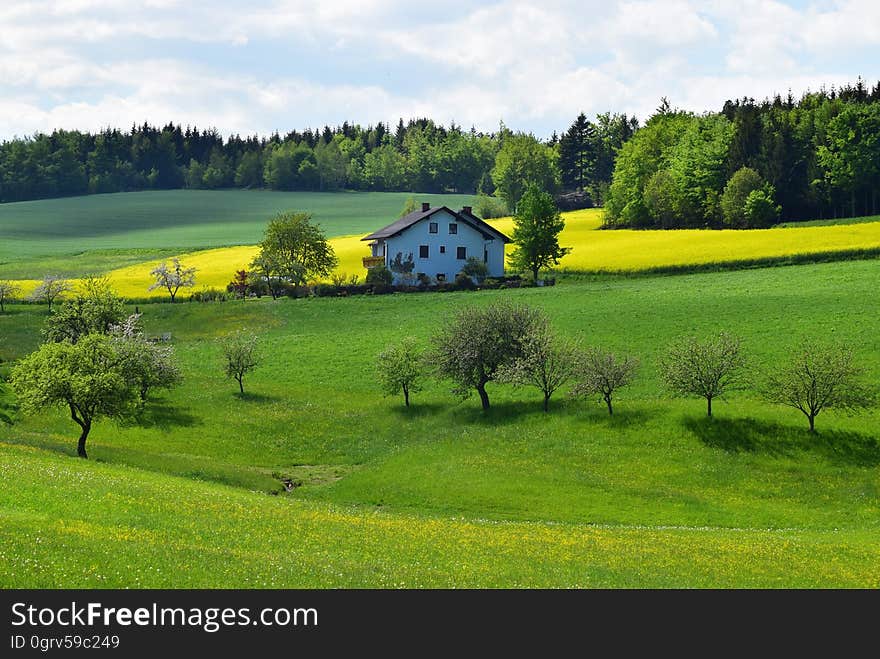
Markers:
441,494
71,524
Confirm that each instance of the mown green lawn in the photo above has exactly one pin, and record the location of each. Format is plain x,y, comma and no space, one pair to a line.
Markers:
441,494
74,236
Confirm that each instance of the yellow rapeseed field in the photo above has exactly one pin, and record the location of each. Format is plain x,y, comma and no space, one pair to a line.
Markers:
628,250
593,250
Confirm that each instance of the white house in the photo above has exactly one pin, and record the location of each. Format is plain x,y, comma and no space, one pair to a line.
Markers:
439,241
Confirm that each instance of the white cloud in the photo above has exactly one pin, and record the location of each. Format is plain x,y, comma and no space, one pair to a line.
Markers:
534,65
851,23
665,23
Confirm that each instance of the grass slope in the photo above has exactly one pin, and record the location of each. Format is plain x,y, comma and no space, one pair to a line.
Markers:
67,523
313,412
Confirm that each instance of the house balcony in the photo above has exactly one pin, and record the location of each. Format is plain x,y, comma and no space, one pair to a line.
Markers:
373,261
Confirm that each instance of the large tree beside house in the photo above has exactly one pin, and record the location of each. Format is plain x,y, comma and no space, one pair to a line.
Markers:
294,250
536,228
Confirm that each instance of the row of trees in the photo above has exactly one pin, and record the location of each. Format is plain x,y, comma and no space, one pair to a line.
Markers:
511,344
815,157
96,362
52,288
752,163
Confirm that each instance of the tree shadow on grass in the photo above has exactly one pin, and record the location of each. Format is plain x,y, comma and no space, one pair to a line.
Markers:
623,418
417,410
774,439
252,397
163,415
505,412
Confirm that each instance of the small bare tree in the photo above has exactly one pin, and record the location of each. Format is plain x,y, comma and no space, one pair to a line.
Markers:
602,372
547,363
50,289
173,278
240,354
8,291
820,377
400,369
708,368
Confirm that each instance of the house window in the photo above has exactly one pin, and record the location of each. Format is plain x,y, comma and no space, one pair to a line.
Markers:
453,228
442,249
441,276
461,253
432,227
423,251
485,256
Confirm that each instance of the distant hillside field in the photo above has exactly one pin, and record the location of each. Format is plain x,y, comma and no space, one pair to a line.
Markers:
216,232
76,235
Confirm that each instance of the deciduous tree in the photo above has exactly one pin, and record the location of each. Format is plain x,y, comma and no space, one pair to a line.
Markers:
706,368
8,291
50,289
93,309
478,341
602,372
296,248
820,377
401,368
240,355
523,161
546,363
173,278
240,283
536,228
88,378
147,365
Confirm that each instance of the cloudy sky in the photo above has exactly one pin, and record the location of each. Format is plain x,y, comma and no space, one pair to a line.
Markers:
283,64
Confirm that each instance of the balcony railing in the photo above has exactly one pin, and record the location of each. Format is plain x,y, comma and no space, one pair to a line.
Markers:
373,261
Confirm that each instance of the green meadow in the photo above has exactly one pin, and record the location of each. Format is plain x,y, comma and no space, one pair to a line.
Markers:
441,494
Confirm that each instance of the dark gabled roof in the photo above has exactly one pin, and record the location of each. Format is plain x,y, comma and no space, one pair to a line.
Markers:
404,223
410,219
481,225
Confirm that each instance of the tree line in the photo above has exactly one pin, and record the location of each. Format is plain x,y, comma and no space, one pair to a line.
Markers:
752,164
420,155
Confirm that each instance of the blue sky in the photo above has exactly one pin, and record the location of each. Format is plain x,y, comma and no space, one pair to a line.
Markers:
284,64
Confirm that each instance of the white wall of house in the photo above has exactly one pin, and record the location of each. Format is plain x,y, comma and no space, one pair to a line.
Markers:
443,247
